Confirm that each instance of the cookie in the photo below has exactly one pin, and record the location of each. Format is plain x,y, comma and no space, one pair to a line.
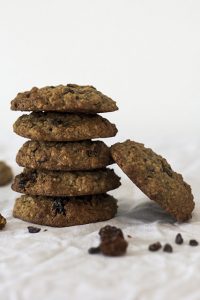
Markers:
6,174
64,98
60,183
155,177
62,127
67,211
67,156
2,222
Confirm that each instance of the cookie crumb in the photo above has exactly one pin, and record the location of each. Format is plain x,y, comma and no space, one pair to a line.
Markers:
179,239
129,236
2,222
155,246
168,248
32,229
193,243
45,230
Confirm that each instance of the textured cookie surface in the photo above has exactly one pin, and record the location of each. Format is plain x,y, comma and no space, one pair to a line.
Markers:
60,183
6,174
2,222
64,98
67,156
68,211
52,126
155,177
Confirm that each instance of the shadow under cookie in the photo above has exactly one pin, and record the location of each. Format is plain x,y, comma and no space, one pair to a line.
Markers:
149,212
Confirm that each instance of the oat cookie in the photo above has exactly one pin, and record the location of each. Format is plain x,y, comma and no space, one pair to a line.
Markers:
2,222
155,177
63,127
67,211
68,156
6,174
64,98
61,183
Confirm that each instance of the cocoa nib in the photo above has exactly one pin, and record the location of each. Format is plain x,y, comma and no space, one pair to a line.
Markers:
193,243
168,248
155,247
179,239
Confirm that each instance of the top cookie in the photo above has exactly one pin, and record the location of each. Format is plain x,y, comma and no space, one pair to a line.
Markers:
64,98
155,177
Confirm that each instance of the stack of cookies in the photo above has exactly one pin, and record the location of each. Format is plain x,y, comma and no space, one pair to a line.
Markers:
65,177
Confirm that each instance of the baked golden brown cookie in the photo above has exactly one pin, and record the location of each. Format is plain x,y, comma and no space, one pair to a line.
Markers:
64,98
2,222
68,156
6,174
61,183
67,211
155,177
63,127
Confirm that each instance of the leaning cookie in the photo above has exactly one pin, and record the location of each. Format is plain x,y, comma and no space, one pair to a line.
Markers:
63,127
64,98
67,211
60,183
69,156
154,176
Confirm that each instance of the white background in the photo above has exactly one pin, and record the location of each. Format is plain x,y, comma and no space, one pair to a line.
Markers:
146,56
143,54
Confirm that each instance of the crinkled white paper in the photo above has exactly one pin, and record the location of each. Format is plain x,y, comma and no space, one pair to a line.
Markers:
55,265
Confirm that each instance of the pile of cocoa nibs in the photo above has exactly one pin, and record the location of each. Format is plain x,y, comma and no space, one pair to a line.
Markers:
112,242
168,248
